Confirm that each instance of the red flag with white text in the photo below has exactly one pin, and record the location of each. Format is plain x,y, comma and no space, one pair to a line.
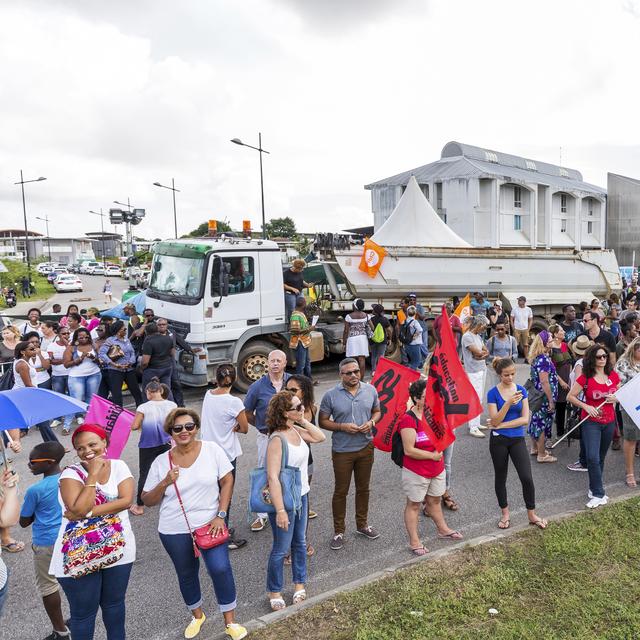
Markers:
392,382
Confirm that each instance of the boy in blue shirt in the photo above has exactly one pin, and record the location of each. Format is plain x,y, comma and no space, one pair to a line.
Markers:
41,509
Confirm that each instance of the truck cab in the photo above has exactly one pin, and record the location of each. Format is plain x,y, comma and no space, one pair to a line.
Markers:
225,297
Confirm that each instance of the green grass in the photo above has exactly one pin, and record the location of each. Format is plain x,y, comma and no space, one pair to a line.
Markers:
43,291
578,579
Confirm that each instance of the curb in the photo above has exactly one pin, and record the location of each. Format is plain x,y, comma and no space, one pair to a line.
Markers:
276,616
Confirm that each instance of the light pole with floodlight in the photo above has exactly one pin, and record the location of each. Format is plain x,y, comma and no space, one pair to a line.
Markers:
173,189
24,211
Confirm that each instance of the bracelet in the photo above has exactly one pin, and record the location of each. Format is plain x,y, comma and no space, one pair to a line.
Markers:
281,511
93,484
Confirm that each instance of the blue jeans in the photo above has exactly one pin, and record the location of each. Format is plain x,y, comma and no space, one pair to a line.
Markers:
596,439
293,538
179,546
84,387
447,455
303,360
377,350
290,300
414,355
105,589
59,384
164,375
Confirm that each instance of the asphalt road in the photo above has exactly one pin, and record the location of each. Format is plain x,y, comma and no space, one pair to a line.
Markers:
154,607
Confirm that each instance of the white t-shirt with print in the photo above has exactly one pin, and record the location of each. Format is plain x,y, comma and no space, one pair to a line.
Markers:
521,317
219,417
198,486
119,472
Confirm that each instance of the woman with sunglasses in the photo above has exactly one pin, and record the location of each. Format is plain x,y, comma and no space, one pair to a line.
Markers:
95,487
288,427
599,382
193,484
81,361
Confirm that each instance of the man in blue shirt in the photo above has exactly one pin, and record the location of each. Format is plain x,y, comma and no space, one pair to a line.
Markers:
480,306
255,408
41,509
421,317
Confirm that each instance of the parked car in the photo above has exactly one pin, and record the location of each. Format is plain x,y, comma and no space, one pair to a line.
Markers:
54,274
98,270
44,268
113,270
67,282
90,266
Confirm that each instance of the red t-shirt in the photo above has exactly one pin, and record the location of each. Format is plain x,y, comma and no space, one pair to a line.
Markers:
424,468
596,392
454,321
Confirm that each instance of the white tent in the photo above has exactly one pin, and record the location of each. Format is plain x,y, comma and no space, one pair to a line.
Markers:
414,223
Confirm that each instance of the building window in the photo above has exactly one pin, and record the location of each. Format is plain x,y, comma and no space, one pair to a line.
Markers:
590,206
425,190
531,165
589,227
491,156
517,197
517,222
439,196
563,203
563,226
564,173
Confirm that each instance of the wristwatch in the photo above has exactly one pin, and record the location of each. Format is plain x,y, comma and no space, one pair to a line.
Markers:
222,514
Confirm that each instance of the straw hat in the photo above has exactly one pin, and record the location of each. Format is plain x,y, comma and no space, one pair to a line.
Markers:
581,344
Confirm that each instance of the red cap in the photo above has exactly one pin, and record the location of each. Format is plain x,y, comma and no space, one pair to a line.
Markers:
89,428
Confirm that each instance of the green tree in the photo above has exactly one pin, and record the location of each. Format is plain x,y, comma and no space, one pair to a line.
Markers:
281,228
203,229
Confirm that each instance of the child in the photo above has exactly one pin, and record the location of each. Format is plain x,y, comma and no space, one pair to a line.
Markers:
42,509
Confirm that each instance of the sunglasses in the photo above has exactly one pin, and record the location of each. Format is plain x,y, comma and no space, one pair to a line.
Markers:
296,407
36,460
187,426
355,372
601,356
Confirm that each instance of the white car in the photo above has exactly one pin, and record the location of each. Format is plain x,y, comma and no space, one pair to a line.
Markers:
98,270
67,282
113,270
44,268
89,267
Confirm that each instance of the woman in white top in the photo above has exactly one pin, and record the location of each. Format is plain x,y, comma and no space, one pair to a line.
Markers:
154,440
355,334
81,361
95,487
223,418
193,485
59,373
287,424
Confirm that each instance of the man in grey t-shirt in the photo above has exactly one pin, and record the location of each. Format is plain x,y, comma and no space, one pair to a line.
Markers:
474,355
350,410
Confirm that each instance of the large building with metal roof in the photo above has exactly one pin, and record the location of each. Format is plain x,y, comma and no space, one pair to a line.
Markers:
494,199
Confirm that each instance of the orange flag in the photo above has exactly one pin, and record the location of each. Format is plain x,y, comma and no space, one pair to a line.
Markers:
463,311
372,257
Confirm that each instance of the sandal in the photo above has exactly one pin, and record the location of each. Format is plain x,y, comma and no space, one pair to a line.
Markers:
630,480
541,523
310,550
419,551
277,604
453,535
504,524
449,502
13,547
547,458
299,596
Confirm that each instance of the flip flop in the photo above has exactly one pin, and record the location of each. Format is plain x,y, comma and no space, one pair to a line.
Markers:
547,458
13,547
454,535
541,523
299,596
420,551
450,503
505,524
630,480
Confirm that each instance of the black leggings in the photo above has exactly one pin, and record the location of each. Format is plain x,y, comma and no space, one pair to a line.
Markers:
561,412
116,378
146,456
501,448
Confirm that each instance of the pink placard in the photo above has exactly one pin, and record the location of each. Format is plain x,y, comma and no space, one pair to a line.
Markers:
116,420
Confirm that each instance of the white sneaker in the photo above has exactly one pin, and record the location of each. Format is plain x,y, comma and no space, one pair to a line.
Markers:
476,433
596,502
79,421
483,427
55,423
605,497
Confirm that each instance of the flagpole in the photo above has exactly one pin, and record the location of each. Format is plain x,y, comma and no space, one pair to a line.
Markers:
557,442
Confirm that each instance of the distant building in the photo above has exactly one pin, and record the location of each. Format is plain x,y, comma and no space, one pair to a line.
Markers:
61,250
112,243
623,218
494,199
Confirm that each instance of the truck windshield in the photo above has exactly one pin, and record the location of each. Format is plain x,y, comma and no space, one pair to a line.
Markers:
177,275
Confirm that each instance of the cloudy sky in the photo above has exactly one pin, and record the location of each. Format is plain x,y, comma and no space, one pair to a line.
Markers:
105,98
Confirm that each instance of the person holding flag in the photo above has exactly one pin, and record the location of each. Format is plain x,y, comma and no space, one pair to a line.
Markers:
508,407
474,355
423,475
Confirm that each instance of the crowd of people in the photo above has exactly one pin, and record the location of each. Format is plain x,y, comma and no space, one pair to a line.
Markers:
188,459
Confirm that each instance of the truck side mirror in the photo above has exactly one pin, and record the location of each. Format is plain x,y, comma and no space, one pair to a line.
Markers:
220,279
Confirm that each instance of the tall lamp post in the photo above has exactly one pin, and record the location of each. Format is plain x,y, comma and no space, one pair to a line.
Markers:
46,221
104,256
24,211
173,189
260,151
127,226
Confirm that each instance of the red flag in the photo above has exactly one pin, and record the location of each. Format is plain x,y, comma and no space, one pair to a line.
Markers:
392,383
451,399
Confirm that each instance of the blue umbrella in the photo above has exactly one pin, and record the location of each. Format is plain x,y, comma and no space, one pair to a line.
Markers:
139,301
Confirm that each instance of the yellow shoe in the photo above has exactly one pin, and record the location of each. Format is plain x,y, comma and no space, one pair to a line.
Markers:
193,629
235,631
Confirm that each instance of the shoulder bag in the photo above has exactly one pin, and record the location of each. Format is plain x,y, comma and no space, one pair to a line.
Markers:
115,352
290,481
202,537
535,397
94,543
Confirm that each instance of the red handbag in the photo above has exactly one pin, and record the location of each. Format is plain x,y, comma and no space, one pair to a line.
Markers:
202,537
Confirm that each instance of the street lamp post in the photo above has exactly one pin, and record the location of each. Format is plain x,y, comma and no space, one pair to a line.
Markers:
127,226
260,151
104,257
173,189
46,221
24,211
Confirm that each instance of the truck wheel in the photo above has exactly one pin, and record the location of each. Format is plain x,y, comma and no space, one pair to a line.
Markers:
252,364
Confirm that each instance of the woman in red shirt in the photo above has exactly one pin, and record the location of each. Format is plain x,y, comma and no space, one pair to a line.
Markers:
422,472
599,382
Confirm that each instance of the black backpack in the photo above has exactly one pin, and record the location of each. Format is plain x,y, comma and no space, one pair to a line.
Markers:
406,334
397,448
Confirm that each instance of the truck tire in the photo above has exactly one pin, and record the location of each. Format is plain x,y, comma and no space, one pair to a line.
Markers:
252,364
